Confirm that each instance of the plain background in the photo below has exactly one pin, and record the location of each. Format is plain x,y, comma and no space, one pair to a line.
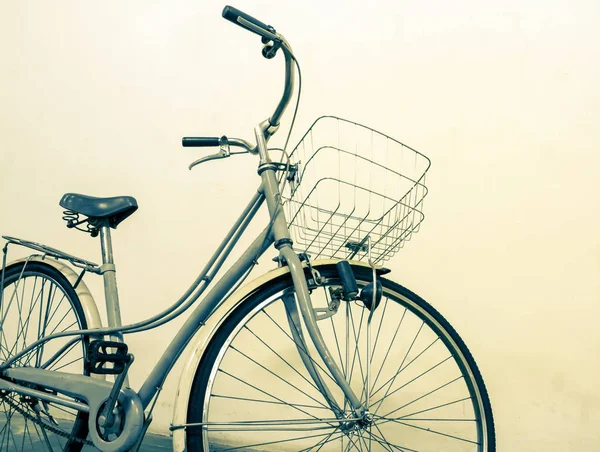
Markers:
502,96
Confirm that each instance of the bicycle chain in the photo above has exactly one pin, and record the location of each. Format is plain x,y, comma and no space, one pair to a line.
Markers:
44,425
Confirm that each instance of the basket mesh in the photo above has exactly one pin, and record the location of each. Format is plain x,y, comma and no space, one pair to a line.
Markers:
354,185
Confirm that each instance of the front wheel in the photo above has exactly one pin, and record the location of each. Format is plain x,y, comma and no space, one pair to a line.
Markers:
252,389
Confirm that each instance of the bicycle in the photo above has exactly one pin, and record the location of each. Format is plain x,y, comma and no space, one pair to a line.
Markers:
321,353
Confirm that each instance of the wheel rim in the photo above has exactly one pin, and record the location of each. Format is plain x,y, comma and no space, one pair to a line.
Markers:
34,305
427,399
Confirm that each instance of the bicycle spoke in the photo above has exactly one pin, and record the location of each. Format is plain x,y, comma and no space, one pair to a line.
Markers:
61,320
9,433
283,359
387,352
26,433
22,329
300,346
12,297
382,441
3,349
275,442
245,399
351,442
379,328
266,393
363,440
52,332
19,323
21,326
436,407
428,430
423,396
277,376
6,428
27,320
404,368
42,324
64,354
45,437
337,343
322,442
400,366
38,355
70,362
63,409
47,320
37,433
357,348
347,324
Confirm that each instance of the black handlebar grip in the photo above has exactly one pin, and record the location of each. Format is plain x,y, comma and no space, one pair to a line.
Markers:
231,14
199,142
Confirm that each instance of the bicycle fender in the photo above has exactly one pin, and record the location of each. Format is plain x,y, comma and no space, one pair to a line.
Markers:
204,335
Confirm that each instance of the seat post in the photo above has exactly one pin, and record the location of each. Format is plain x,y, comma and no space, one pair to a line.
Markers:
113,311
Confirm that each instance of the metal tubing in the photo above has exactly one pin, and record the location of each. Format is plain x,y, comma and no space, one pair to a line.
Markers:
273,198
111,295
201,313
310,321
298,336
289,86
259,133
218,258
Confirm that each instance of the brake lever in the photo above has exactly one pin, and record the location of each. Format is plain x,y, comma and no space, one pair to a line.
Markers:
224,152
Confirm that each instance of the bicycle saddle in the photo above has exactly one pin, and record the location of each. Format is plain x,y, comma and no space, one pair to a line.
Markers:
116,209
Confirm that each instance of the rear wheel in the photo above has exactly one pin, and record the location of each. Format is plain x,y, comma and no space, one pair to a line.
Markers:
37,301
252,390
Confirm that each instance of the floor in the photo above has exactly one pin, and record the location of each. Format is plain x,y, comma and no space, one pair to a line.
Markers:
16,440
152,443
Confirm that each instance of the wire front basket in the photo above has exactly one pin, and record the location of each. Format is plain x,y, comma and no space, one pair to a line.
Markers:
354,186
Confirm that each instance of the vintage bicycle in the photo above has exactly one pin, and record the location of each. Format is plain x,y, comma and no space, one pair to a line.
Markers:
324,352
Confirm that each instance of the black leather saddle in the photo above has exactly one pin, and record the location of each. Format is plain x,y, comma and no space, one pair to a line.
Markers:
114,209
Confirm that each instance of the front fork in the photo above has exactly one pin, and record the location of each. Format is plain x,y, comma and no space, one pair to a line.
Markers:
310,321
283,243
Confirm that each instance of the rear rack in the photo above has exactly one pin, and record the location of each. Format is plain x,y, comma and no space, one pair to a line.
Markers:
53,252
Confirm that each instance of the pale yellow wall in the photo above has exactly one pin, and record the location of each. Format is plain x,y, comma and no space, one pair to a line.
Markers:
502,96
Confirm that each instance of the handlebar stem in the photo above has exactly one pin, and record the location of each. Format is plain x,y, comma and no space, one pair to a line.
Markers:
260,132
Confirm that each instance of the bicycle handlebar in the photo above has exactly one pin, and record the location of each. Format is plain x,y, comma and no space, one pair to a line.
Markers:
272,42
234,15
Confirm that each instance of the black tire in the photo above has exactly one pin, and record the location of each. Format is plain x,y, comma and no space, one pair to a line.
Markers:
52,307
226,388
